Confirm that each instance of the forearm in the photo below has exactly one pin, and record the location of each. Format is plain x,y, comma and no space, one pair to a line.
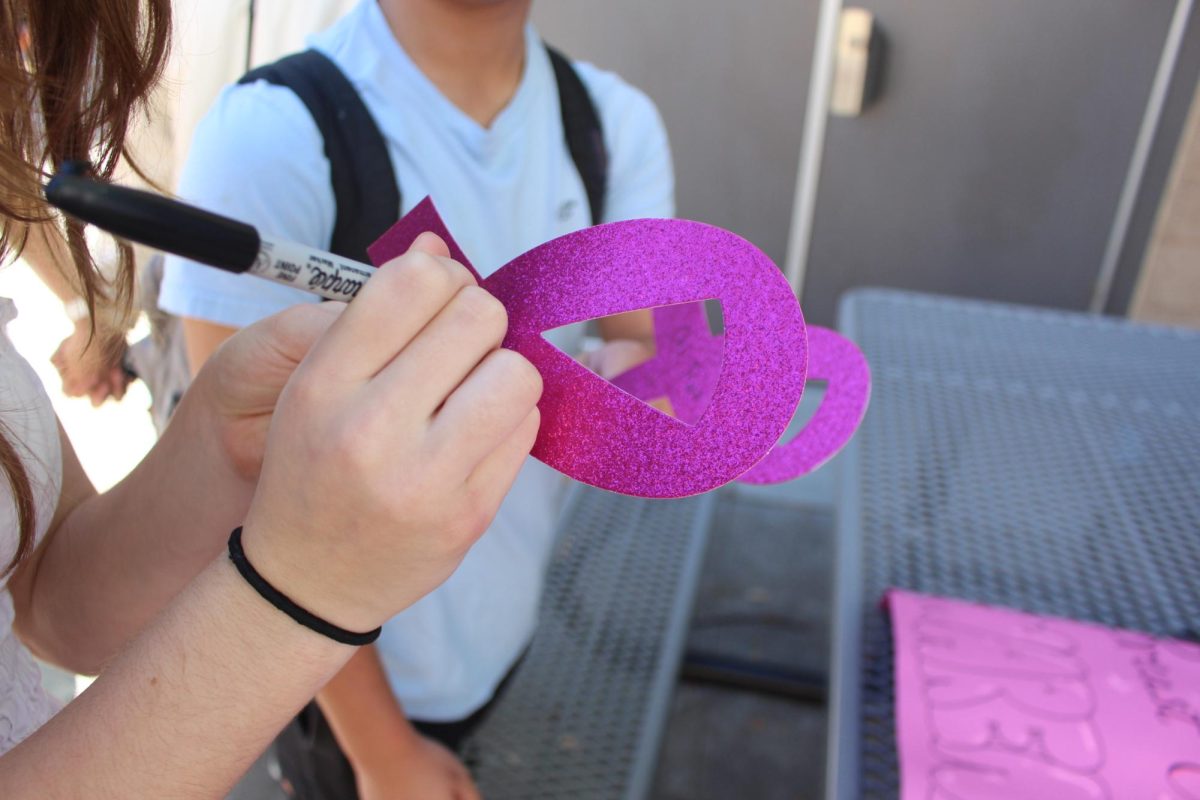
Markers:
46,254
117,559
365,716
636,326
186,708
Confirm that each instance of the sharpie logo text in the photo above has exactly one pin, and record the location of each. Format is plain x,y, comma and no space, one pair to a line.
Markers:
333,282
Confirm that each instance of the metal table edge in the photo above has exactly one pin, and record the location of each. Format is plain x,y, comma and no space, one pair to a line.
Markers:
843,729
641,774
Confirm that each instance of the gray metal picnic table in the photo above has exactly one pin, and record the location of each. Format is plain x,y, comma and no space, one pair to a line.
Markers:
585,710
1041,460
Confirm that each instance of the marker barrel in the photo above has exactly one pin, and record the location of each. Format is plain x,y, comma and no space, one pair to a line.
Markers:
321,273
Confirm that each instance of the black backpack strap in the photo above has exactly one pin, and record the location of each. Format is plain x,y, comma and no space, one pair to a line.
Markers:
581,127
365,190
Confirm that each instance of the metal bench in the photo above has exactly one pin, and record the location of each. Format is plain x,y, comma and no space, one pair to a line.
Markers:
1036,459
584,713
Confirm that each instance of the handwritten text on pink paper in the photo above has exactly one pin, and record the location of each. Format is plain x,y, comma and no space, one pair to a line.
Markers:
994,704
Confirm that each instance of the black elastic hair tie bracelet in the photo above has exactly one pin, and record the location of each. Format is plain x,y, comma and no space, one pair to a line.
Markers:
287,605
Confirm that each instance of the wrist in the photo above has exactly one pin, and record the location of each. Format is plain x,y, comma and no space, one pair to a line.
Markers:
307,576
289,606
76,310
270,630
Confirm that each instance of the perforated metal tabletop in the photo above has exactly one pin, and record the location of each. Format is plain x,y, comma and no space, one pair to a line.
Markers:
584,713
1040,460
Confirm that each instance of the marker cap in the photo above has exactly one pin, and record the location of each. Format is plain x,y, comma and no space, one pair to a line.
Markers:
156,221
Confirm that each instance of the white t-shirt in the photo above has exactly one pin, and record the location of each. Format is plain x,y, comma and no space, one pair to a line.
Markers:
502,190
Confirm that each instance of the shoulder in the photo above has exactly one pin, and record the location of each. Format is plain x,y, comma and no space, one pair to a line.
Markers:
259,156
260,117
258,139
641,178
620,104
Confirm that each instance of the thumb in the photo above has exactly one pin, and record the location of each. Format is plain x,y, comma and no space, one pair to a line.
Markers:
256,362
295,330
430,243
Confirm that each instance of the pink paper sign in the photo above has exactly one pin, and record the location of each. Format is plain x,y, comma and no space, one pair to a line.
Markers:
994,704
597,433
687,363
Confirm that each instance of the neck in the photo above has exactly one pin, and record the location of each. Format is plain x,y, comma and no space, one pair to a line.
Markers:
472,50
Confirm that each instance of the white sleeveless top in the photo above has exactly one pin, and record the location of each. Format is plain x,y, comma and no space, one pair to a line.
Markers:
30,425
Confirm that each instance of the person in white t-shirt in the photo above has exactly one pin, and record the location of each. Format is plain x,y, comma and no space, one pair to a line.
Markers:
465,96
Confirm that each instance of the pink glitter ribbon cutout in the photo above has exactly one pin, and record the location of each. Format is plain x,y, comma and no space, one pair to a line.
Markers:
598,433
687,364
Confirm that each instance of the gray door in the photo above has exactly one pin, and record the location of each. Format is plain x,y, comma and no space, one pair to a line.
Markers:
993,163
731,81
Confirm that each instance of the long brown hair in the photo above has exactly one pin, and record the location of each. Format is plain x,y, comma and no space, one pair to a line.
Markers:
73,73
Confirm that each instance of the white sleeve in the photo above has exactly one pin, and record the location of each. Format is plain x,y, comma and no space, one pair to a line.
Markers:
641,181
257,157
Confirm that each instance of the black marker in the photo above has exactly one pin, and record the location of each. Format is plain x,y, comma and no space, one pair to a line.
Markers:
198,235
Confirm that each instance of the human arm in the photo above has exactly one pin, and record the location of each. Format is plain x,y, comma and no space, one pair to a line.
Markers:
202,338
391,759
44,251
628,341
196,697
257,156
89,360
411,473
641,184
167,519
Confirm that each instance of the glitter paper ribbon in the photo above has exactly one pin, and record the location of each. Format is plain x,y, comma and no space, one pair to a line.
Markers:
687,364
598,433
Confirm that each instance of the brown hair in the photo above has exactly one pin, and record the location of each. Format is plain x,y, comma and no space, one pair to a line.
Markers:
72,75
